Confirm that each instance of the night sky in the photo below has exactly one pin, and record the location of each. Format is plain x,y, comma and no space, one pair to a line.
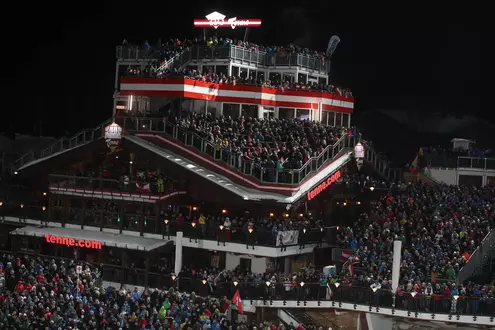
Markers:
63,57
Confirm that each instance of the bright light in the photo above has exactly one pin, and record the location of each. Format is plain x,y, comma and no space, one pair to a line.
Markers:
286,215
1,203
174,277
304,230
272,214
166,222
235,283
358,203
250,230
372,188
22,206
44,193
195,208
337,284
204,281
268,283
345,203
300,214
193,224
43,208
302,284
221,227
15,173
456,297
224,211
375,288
413,294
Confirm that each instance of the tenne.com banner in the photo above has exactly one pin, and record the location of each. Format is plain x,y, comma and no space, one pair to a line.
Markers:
82,243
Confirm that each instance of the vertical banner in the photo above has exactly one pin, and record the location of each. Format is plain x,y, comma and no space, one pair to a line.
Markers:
396,265
178,252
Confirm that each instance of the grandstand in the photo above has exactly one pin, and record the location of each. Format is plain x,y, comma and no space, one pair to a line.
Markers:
230,169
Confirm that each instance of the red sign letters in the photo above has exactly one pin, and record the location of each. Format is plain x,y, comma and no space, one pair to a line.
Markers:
324,185
82,243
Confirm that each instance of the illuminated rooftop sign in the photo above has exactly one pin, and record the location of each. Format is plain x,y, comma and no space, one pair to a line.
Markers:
324,185
216,20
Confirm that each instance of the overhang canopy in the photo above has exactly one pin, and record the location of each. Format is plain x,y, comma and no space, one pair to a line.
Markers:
106,239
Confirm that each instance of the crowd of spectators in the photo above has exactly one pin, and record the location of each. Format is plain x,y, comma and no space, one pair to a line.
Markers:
45,294
270,143
165,51
440,227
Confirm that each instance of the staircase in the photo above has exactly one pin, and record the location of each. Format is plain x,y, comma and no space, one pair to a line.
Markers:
479,260
61,145
147,128
176,62
380,164
324,319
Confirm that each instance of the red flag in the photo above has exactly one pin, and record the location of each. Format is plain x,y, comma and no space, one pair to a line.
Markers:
236,300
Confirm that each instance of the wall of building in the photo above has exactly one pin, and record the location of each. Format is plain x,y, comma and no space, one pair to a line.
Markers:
447,176
258,265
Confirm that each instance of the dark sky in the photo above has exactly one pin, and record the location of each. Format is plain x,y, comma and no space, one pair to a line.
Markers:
63,62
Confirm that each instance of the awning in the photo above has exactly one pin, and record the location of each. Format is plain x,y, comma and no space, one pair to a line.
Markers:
90,238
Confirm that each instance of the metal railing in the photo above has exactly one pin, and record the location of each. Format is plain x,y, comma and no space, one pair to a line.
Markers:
381,164
72,181
235,53
476,163
478,259
63,144
248,167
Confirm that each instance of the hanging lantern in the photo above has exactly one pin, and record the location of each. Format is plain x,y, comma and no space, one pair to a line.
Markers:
113,135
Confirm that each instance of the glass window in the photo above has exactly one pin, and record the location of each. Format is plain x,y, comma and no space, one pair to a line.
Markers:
288,77
249,111
252,76
338,119
231,110
275,77
235,71
345,119
260,76
324,117
243,72
331,118
302,114
302,78
286,113
222,69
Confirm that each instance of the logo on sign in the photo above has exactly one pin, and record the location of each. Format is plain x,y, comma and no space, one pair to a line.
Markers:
216,20
324,185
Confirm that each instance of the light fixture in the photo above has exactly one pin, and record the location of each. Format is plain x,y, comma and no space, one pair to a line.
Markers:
337,284
1,203
358,203
174,277
250,230
272,214
321,229
22,206
166,221
195,208
286,215
193,224
300,214
345,203
224,211
130,162
302,283
304,230
204,281
43,208
456,297
372,188
221,227
413,294
374,288
44,193
16,173
268,283
235,283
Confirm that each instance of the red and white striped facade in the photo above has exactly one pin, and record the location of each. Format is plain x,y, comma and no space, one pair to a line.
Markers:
245,94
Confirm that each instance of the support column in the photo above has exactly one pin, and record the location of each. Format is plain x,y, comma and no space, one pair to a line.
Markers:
141,221
178,252
102,207
260,111
147,269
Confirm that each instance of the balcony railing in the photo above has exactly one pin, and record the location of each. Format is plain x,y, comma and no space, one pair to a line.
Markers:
62,144
235,53
248,167
71,181
478,259
476,163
